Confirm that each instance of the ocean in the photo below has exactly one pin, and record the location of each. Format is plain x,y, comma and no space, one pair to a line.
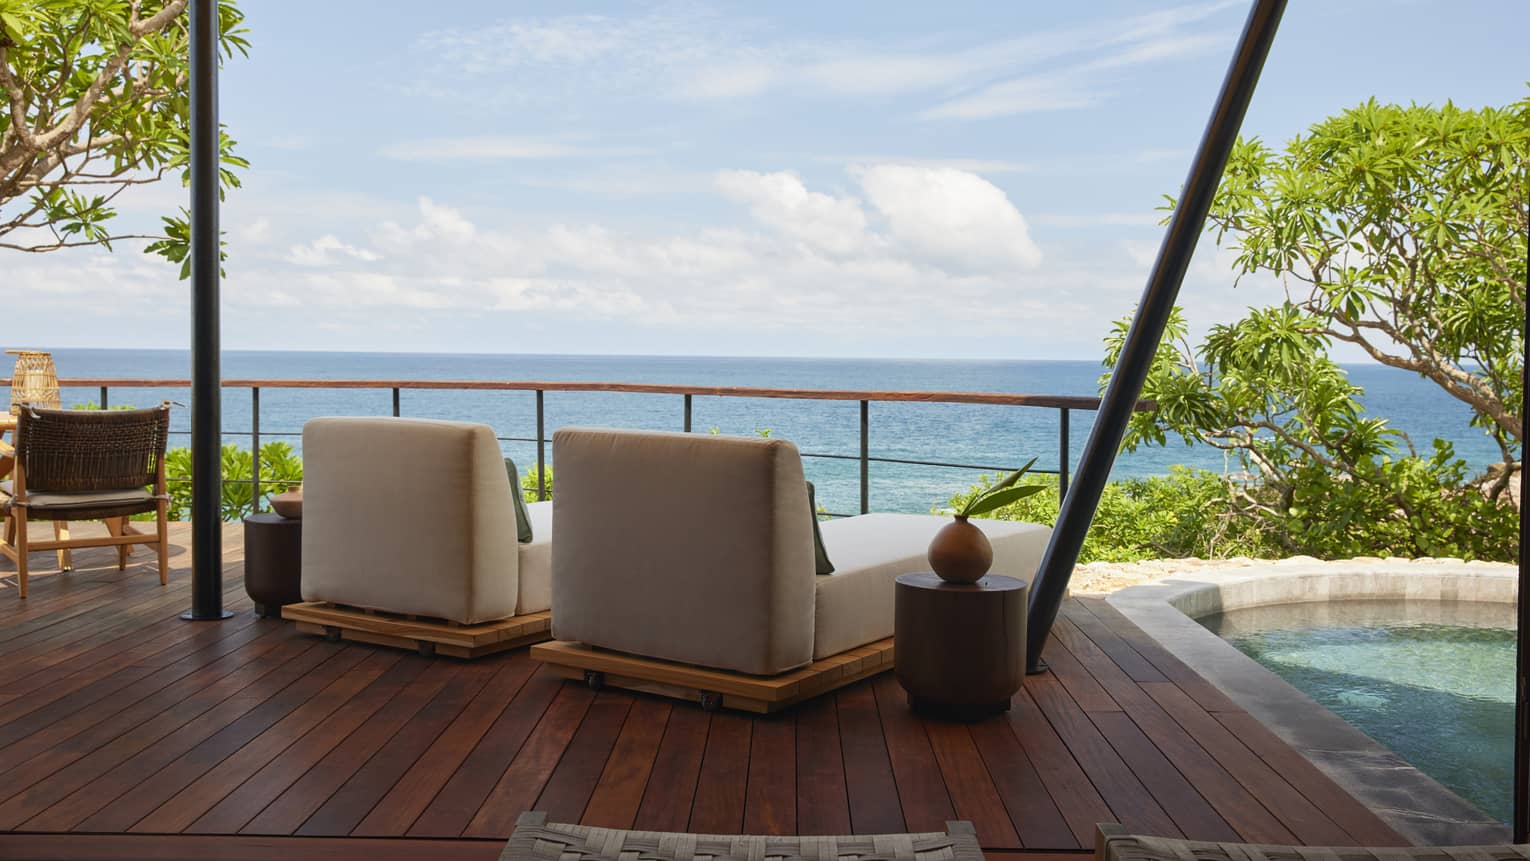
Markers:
994,436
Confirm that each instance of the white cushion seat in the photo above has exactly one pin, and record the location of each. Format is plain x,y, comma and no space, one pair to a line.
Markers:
454,557
74,499
854,605
535,561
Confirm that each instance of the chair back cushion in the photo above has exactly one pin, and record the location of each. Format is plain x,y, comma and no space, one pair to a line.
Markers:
683,547
90,451
408,516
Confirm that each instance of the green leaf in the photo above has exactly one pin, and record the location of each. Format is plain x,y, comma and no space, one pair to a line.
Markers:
994,501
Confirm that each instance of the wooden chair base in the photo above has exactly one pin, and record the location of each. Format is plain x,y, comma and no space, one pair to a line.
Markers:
714,688
429,637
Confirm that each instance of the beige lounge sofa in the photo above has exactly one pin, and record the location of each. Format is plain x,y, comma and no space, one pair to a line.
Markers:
413,516
698,550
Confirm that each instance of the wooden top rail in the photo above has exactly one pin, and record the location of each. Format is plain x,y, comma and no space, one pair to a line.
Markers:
1075,402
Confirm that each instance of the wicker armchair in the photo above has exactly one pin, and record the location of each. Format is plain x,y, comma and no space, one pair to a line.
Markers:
76,465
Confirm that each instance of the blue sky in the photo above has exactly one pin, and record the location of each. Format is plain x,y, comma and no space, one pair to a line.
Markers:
862,179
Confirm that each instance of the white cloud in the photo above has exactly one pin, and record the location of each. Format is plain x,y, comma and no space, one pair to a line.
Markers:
957,216
326,251
780,201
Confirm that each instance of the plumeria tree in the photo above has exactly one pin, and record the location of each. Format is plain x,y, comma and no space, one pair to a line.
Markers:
95,101
1400,230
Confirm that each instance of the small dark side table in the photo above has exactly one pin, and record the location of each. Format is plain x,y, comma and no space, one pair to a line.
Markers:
273,562
959,649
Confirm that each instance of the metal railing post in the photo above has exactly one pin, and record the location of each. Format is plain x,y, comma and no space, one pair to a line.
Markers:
687,413
865,457
254,449
541,447
103,397
1062,454
395,401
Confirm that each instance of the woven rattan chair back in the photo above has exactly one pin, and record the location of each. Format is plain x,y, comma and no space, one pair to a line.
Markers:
91,450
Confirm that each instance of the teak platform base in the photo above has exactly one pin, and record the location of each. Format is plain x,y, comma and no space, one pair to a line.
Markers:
713,688
429,637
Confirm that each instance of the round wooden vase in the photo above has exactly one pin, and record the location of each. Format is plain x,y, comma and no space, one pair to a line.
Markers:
960,552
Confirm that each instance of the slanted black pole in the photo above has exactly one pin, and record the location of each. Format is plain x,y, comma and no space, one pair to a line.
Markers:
1521,821
1147,326
206,382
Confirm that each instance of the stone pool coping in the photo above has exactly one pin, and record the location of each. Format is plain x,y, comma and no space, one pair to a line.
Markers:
1416,805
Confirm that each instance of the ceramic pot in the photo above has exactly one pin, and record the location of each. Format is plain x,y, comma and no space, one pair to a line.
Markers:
960,552
288,505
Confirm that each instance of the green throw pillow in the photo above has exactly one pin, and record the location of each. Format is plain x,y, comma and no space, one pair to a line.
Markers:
522,519
821,563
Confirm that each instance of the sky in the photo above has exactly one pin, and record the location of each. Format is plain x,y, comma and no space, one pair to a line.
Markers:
876,179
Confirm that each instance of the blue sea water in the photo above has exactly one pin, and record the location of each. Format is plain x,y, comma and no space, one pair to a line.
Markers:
991,436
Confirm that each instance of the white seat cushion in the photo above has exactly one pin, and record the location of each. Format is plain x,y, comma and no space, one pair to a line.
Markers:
536,561
855,604
76,499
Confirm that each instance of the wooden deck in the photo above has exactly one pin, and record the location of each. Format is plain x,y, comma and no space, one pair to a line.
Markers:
118,718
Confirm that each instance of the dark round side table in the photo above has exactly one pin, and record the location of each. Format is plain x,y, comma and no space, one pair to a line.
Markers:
273,562
959,649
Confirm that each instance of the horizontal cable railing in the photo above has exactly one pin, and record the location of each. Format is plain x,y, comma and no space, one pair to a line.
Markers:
1063,404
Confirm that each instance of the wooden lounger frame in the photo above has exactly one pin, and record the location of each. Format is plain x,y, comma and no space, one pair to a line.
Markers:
429,637
713,688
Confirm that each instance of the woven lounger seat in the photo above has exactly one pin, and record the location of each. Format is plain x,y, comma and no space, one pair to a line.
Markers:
536,839
1113,843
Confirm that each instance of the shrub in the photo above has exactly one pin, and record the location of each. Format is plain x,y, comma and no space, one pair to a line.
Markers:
280,470
1185,513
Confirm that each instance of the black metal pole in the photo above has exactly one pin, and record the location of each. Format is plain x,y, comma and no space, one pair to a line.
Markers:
1522,649
206,372
1147,326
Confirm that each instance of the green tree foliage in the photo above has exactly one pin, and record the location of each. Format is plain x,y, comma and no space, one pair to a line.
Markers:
280,470
93,101
1185,513
1400,230
1319,475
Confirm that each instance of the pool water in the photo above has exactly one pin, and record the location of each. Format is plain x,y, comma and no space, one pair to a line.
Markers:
1433,681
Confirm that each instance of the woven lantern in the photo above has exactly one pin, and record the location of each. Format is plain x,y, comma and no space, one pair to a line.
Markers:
35,380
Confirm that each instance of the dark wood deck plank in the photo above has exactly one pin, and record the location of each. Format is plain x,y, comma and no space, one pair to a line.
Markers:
533,765
972,791
921,791
1231,798
1071,790
1207,694
242,804
619,792
671,790
869,782
349,805
1130,802
823,805
1187,807
396,813
453,807
288,812
115,715
1037,820
174,725
770,800
719,804
143,763
571,784
152,716
179,811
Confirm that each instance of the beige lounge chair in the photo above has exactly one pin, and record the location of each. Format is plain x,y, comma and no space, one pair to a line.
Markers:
684,564
409,538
